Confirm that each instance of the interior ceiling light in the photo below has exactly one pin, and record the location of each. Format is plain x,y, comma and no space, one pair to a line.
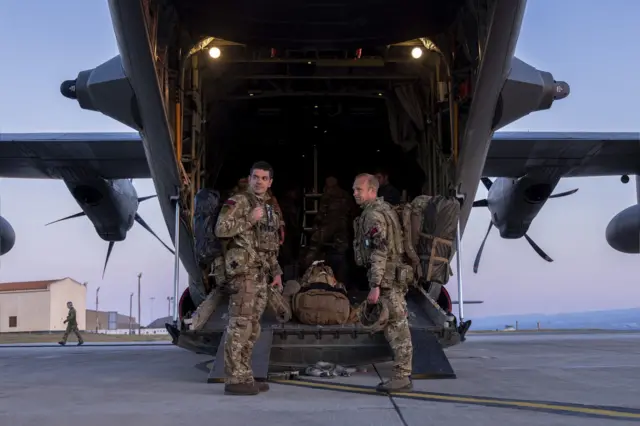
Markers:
214,52
416,52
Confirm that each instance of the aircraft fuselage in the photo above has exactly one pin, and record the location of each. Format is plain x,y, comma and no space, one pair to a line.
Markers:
138,62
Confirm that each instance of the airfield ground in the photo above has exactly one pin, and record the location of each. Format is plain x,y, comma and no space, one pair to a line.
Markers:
502,378
16,338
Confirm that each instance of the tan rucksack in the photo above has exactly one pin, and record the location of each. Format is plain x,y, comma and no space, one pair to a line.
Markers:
429,230
321,299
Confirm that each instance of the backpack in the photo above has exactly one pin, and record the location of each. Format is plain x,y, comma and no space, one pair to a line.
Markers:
321,299
209,249
429,226
207,205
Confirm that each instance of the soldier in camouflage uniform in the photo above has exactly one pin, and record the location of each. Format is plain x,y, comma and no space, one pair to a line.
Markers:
251,225
377,246
72,326
243,186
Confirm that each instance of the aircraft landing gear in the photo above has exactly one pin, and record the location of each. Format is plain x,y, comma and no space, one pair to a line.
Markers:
176,266
463,326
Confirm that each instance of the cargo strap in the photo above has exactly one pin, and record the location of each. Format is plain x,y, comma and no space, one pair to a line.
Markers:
433,256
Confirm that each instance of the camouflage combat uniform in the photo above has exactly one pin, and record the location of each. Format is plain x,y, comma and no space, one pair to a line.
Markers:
378,246
72,326
243,186
250,263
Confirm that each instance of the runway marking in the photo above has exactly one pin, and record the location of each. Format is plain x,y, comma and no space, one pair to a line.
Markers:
595,411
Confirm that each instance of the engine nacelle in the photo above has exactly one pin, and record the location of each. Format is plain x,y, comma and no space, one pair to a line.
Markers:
7,236
110,205
526,90
105,89
623,231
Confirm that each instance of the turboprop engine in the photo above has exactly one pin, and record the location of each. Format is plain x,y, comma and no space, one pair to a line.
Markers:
623,231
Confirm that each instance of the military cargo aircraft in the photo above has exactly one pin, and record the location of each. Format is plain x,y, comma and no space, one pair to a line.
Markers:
317,88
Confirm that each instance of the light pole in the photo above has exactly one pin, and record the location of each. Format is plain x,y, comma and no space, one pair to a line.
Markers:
97,312
139,319
130,313
152,299
169,300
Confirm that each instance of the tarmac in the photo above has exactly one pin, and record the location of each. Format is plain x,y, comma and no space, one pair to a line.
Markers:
515,379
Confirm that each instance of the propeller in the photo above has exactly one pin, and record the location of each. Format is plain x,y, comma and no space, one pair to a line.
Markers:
137,218
484,203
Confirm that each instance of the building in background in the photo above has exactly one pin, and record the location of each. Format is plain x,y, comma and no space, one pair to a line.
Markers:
41,305
109,320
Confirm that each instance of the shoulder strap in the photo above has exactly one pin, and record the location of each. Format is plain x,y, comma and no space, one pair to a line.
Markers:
394,230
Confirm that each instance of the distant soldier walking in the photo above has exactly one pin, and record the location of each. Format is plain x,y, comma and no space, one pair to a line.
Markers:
378,246
248,221
72,326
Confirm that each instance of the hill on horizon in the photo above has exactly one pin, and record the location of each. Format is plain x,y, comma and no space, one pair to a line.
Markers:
617,319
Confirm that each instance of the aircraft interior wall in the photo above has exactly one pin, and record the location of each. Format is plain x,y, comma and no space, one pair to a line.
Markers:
341,153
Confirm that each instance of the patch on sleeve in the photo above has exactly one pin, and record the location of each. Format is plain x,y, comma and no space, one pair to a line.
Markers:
373,231
230,202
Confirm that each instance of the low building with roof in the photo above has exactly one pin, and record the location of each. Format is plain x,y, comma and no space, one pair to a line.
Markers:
34,306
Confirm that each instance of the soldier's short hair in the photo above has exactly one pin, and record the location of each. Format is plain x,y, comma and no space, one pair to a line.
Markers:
372,181
262,165
382,171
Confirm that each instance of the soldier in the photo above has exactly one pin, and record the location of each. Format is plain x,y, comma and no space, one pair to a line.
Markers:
243,186
251,225
387,191
331,229
378,247
72,325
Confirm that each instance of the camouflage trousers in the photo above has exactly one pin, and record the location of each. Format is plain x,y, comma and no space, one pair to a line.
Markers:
245,310
71,329
397,331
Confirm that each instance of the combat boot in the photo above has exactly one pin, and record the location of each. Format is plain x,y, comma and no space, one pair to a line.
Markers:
241,389
61,343
81,342
397,384
262,386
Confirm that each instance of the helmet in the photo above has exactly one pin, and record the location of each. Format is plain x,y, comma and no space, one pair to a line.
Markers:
374,316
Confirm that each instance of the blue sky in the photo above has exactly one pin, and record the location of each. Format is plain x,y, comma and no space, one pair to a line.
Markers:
584,42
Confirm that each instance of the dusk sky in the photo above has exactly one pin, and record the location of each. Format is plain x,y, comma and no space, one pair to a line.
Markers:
590,44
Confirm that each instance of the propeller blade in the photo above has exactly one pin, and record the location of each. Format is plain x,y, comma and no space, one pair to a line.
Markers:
486,182
141,199
538,249
68,217
564,194
480,203
476,262
148,228
111,243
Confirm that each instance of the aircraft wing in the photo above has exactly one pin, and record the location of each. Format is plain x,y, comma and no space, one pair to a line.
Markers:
579,154
56,155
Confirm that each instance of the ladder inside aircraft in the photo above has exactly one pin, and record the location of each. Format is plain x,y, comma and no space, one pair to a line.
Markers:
310,203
